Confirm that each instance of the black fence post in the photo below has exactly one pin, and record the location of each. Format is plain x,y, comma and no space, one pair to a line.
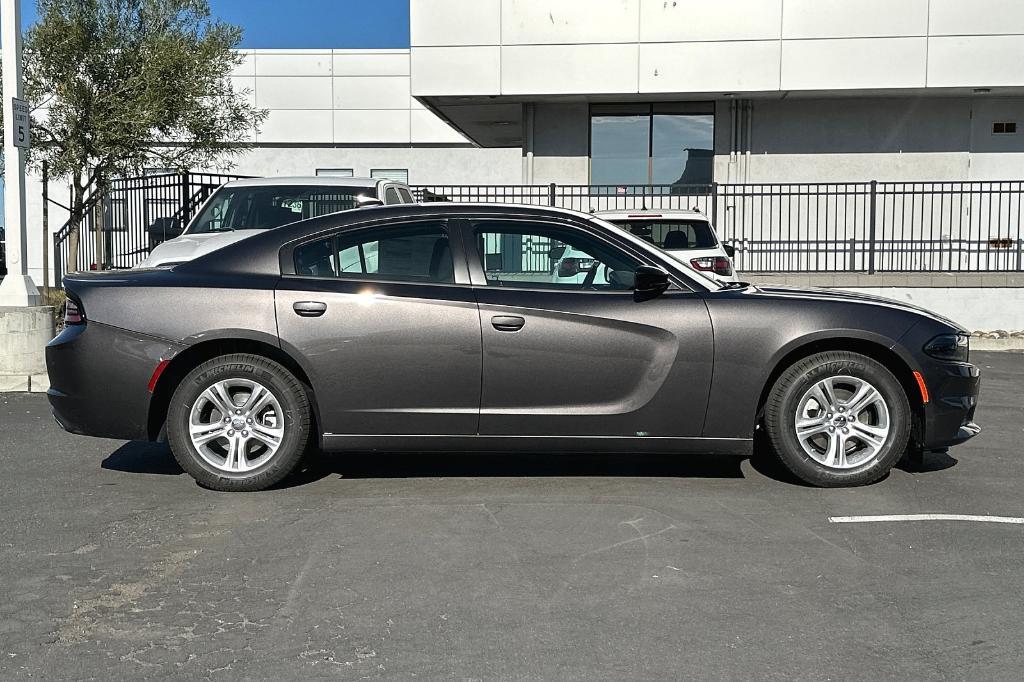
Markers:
551,194
58,264
714,206
871,229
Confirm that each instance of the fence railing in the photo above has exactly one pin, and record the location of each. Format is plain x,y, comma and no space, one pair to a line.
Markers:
817,227
775,227
134,215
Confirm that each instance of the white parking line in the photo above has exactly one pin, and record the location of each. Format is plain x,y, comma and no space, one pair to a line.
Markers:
926,517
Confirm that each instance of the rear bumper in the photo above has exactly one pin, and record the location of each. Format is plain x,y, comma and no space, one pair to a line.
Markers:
99,379
949,415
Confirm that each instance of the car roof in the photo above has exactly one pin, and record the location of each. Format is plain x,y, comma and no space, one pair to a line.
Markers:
325,180
626,214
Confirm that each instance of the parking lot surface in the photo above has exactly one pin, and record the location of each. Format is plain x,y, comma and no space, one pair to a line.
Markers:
114,564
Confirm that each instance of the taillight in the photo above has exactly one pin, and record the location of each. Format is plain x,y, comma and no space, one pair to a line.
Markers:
720,265
73,313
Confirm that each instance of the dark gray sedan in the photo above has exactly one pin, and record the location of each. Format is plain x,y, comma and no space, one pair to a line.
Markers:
495,328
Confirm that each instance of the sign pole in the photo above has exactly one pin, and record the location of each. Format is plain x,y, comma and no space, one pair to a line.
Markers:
17,288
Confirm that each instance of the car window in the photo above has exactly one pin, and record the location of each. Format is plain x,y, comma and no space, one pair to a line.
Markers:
417,252
544,255
673,234
263,208
391,195
406,195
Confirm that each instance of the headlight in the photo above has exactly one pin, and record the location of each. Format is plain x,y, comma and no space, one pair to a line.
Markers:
955,347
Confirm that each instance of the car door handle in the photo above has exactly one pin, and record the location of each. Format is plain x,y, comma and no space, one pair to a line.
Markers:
508,323
309,308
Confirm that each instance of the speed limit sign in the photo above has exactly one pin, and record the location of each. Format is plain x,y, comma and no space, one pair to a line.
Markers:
20,129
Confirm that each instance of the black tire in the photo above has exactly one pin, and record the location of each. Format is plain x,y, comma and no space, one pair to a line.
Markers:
784,401
289,392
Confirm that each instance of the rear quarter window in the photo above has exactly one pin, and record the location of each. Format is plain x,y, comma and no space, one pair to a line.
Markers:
673,235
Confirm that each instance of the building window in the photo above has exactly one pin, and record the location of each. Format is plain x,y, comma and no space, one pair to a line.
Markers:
396,174
1004,128
652,144
335,172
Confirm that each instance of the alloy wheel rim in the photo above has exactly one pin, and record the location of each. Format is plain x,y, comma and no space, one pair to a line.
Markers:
236,425
842,422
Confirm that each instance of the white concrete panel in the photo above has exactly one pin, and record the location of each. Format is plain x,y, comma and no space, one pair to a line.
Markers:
371,64
860,19
296,126
684,20
455,22
854,63
539,22
976,17
306,63
978,309
247,67
568,69
281,92
245,84
456,70
369,125
371,92
975,61
426,128
683,67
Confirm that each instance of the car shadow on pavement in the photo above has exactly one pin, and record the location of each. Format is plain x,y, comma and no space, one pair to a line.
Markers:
318,465
136,457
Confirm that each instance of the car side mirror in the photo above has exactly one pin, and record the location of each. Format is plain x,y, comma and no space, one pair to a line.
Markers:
556,252
730,250
649,281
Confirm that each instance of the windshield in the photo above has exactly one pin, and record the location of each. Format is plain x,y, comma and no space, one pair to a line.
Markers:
262,208
673,234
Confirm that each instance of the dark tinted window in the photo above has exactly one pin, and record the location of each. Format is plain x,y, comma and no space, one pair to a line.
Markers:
673,235
391,196
263,208
406,195
542,255
417,252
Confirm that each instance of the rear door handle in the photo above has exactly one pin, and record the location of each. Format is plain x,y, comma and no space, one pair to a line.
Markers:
508,323
309,308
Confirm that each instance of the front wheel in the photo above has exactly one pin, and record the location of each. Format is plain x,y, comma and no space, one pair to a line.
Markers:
239,422
838,419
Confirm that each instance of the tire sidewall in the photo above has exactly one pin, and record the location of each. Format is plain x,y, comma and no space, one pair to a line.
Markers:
783,433
272,377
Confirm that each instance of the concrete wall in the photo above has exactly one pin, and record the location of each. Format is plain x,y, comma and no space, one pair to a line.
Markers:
557,47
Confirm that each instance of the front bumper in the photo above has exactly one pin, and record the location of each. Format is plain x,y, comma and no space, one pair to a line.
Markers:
949,415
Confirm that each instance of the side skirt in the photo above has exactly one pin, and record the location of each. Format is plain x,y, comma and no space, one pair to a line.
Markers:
554,444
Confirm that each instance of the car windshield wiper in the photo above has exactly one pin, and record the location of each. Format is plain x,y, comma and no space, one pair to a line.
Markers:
735,285
221,229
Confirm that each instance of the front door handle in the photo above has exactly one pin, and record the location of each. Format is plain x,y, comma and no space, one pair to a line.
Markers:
508,323
309,308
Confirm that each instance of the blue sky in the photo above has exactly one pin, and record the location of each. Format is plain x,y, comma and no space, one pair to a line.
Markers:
307,23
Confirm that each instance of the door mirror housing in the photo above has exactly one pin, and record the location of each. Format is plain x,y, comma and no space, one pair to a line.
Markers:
363,201
729,249
650,281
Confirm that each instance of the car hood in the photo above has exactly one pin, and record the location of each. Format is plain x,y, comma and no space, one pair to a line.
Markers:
190,246
838,295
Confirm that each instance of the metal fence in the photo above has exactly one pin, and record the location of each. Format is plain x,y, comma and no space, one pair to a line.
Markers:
817,227
775,227
133,216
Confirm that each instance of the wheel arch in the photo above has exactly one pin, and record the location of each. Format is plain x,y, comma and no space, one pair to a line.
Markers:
875,349
197,353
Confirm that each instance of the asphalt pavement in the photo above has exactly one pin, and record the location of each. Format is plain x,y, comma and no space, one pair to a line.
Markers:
115,565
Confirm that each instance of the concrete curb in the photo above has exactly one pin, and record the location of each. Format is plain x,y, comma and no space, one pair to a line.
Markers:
35,383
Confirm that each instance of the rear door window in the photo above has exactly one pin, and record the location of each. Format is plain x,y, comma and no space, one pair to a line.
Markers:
415,252
673,235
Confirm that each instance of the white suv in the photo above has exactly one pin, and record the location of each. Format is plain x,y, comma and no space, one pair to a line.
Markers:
241,208
685,234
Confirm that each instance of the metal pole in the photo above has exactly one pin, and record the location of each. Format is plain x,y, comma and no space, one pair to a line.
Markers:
17,288
871,229
46,230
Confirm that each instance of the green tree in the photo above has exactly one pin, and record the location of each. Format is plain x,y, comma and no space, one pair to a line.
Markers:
120,85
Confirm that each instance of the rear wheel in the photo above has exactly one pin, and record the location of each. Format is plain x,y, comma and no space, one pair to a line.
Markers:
239,422
838,419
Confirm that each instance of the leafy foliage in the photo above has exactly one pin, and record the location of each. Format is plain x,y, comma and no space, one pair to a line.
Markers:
117,86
